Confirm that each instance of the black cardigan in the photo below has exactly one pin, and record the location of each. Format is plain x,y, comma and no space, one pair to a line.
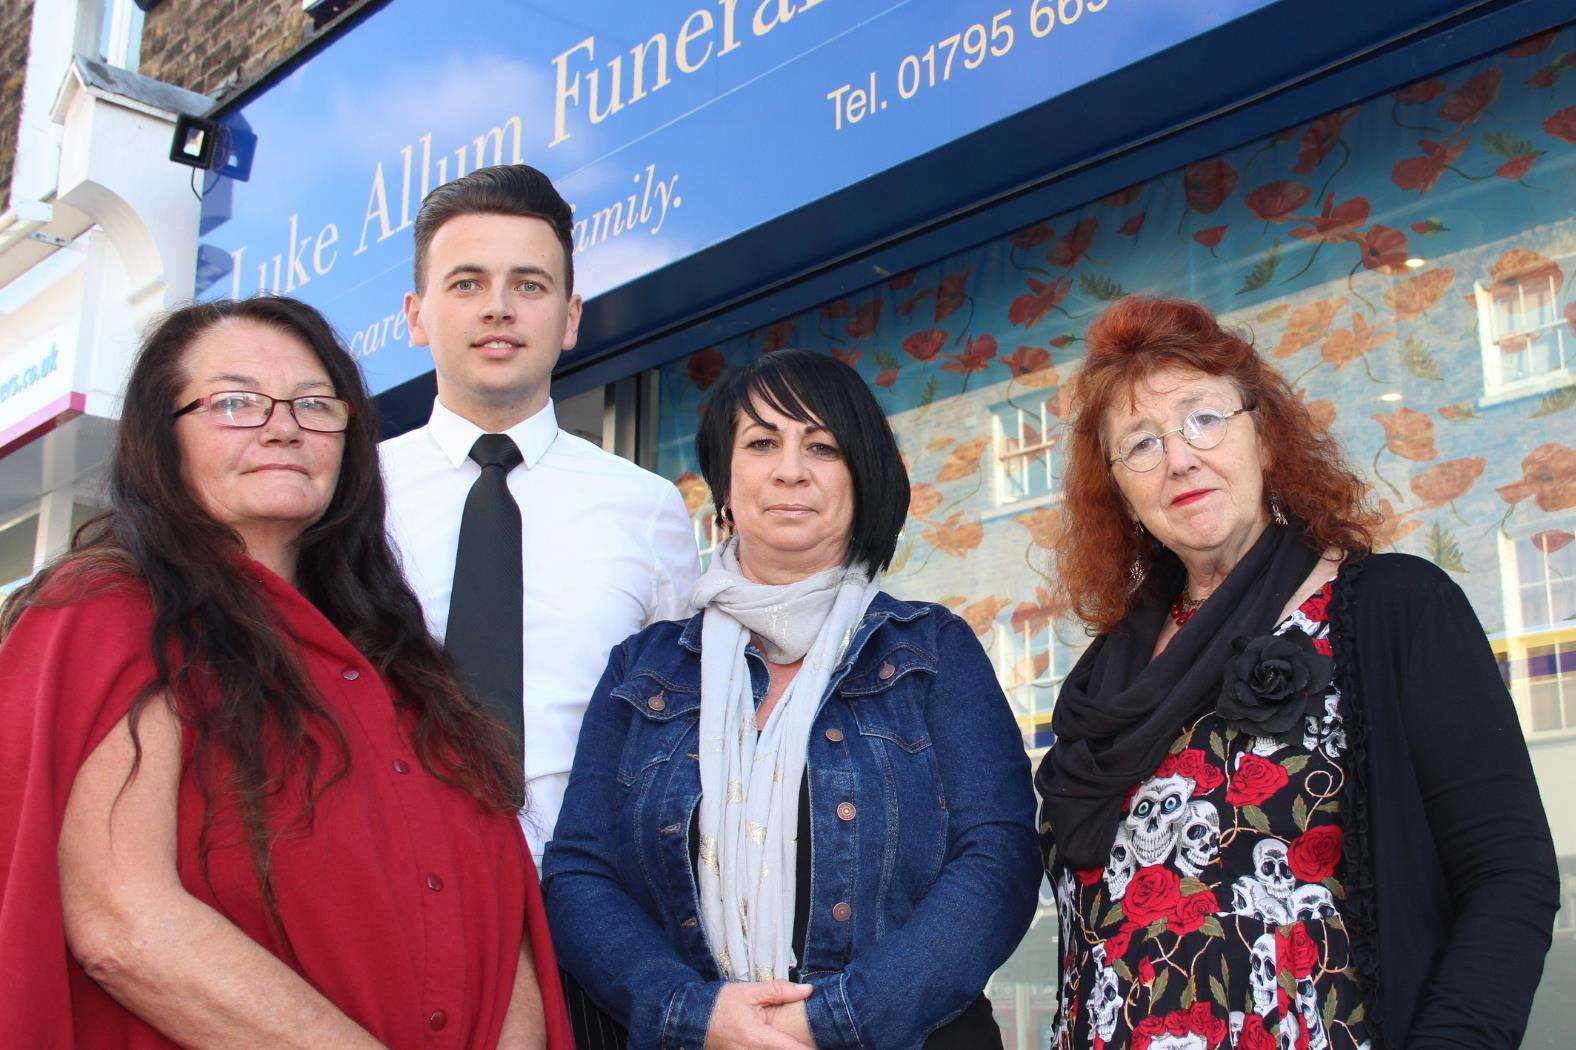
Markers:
1451,878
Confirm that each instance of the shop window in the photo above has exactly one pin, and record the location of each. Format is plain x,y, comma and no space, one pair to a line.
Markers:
18,542
1405,262
1524,341
1026,435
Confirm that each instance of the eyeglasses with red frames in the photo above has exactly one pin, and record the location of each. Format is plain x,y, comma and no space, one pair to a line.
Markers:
247,409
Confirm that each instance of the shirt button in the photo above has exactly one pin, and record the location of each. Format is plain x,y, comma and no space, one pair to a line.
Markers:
401,766
842,911
835,735
656,703
886,671
846,811
436,1020
350,674
434,884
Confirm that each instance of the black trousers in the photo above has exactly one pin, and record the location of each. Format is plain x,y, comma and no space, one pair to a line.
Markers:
593,1028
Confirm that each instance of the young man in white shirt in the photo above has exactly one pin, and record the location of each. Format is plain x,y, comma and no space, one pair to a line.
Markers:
606,547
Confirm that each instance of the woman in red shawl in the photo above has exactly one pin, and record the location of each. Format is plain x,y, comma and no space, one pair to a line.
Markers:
244,801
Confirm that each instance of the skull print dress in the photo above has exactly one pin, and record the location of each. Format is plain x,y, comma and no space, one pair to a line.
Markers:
1217,920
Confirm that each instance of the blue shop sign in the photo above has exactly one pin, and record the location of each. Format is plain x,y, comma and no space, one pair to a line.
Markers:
670,126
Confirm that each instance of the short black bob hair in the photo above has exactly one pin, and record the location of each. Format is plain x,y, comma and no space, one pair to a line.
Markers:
815,388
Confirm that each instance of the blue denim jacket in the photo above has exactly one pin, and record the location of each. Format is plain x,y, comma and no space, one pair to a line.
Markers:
917,894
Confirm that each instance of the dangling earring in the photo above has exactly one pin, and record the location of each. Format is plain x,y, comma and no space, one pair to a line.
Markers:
1136,571
724,519
1277,515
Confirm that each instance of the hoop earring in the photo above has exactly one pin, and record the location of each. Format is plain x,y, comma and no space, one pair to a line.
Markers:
724,519
1277,515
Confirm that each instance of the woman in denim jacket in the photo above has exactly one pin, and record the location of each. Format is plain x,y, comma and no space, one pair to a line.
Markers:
853,871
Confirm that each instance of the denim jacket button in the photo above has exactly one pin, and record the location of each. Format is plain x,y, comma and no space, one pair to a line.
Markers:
690,923
656,703
835,735
842,911
886,671
846,811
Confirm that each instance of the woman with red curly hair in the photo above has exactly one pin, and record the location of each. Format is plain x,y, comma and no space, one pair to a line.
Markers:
1289,797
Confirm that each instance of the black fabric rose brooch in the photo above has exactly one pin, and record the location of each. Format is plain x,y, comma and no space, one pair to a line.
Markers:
1272,682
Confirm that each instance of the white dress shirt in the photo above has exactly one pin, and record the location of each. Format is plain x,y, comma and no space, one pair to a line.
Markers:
608,548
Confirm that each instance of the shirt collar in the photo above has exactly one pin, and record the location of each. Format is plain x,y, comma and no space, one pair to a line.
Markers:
455,434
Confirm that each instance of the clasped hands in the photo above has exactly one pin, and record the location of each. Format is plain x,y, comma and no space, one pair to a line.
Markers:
760,1015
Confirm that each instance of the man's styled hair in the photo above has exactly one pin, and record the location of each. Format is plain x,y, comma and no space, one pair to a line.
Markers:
507,189
814,388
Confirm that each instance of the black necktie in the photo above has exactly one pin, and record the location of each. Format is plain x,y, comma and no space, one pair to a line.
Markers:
486,627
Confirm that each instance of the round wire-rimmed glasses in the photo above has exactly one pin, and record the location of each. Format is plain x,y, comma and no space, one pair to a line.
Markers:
247,409
1204,428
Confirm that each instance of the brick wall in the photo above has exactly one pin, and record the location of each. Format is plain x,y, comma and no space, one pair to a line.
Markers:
16,19
210,46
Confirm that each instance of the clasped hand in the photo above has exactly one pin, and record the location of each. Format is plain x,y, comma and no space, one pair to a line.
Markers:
760,1015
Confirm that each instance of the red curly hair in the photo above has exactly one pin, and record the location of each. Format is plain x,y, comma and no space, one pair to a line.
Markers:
1134,338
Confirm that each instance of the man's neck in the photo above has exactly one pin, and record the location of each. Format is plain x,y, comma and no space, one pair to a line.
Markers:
495,417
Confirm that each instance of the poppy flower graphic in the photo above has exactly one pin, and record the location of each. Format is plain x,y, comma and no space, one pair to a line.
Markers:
1421,92
1210,237
1322,412
964,460
1549,541
1550,74
924,346
705,367
848,357
1384,249
1032,236
1421,173
1028,309
1071,248
923,498
1523,266
1533,45
1413,296
1447,482
886,377
1133,224
1208,183
1562,124
1393,527
1027,360
1307,325
955,535
952,294
1409,434
1467,103
1336,222
1278,201
1045,526
1548,477
976,357
866,319
981,615
779,335
1345,345
1515,169
1320,139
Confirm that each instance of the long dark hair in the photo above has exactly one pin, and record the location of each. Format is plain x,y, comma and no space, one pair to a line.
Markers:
219,657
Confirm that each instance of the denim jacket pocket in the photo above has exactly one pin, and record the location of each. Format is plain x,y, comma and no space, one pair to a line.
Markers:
664,716
887,697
